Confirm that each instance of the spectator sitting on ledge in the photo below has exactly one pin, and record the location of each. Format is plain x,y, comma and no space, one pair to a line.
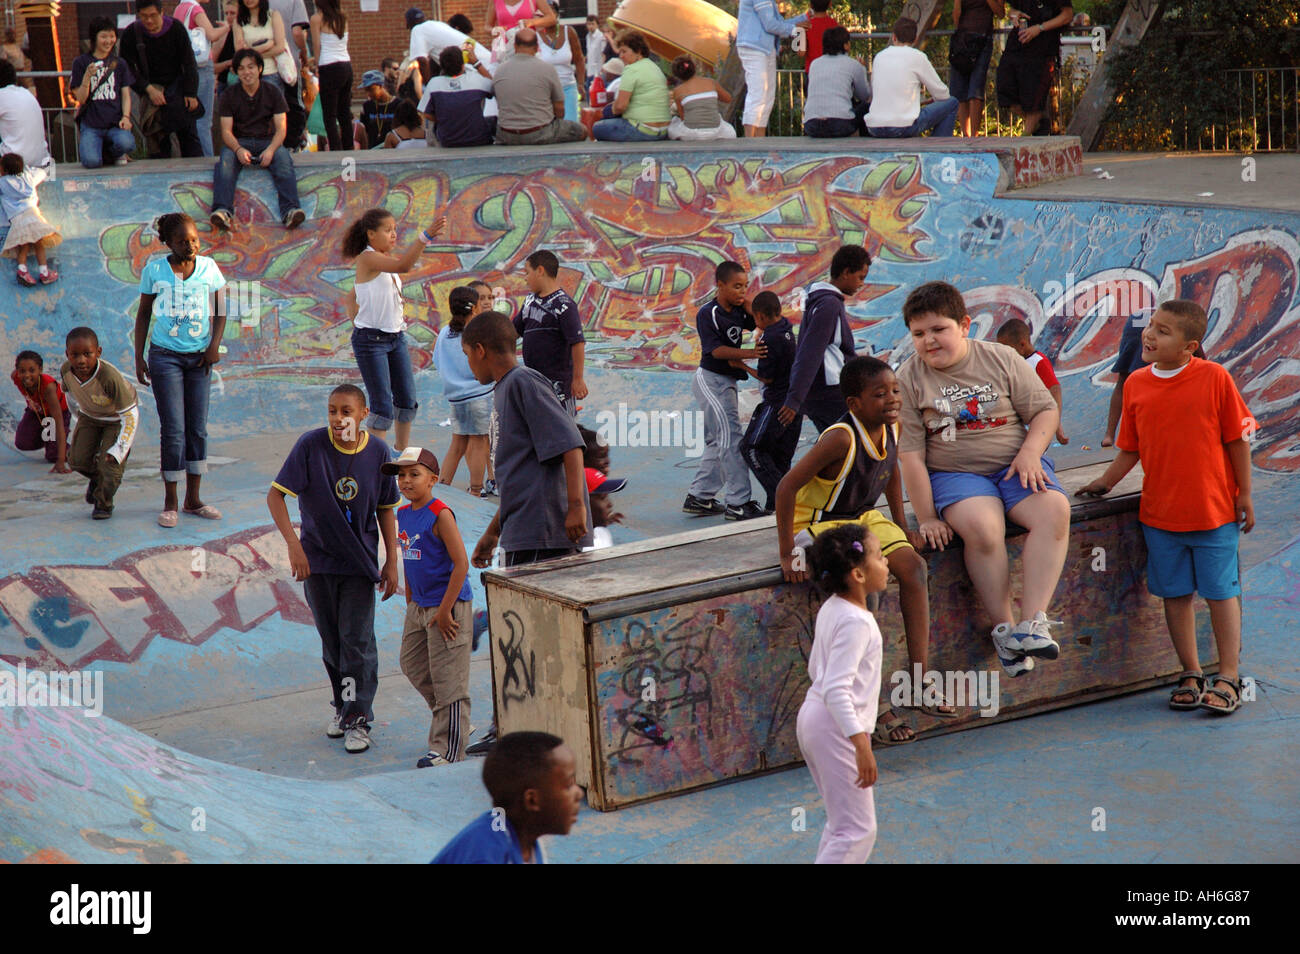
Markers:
531,100
453,102
640,110
897,75
254,121
838,90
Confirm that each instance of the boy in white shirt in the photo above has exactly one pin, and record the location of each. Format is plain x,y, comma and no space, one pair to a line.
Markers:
897,75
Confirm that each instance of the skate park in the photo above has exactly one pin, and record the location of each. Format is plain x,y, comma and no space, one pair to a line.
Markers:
213,695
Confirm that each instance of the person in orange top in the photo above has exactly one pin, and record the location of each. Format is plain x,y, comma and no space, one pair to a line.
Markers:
1185,421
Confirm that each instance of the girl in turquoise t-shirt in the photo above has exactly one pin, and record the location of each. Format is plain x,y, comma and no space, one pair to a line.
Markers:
183,296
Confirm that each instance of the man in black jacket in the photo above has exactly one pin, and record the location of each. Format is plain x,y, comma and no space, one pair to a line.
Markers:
825,342
157,48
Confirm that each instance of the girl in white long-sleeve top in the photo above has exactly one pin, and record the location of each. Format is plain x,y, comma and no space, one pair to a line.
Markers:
839,713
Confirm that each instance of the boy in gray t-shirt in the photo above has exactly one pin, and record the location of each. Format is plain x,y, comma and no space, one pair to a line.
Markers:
544,510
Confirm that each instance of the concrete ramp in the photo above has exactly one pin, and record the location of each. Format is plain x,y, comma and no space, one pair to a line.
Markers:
214,695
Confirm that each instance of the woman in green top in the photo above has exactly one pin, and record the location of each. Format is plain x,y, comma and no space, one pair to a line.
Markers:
640,111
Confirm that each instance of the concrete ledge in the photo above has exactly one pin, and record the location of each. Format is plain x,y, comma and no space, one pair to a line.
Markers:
1025,162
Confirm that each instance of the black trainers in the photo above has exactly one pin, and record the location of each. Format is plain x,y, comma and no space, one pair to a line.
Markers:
708,508
220,220
746,511
294,218
484,745
101,513
90,492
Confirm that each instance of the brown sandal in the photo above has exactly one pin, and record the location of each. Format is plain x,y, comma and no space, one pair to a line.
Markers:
1198,690
890,724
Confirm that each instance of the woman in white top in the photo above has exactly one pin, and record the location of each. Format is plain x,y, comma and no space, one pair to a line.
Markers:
838,713
259,28
559,46
408,128
695,102
375,306
329,36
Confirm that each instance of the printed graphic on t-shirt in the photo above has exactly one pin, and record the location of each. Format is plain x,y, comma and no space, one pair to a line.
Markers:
410,550
963,407
345,488
186,309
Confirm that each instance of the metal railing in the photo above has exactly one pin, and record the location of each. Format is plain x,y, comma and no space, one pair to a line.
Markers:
1268,109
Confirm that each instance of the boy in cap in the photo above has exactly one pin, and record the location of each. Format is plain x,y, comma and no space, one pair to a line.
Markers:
439,608
379,109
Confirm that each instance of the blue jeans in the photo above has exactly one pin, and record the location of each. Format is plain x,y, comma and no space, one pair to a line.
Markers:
207,89
936,117
97,146
619,129
227,174
180,390
385,365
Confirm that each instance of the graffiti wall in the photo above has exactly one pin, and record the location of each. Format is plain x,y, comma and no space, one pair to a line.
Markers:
639,238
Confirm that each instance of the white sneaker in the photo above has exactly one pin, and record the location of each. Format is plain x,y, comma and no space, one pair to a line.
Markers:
430,759
335,731
1014,662
1032,637
357,737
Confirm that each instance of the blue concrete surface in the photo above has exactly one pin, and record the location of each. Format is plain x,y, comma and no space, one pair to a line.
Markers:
215,694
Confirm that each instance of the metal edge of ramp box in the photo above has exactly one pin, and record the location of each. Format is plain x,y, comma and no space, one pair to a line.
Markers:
679,662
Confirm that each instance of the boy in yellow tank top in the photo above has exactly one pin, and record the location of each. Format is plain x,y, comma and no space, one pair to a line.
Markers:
839,481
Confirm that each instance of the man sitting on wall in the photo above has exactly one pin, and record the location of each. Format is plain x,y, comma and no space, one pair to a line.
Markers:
898,74
254,121
531,100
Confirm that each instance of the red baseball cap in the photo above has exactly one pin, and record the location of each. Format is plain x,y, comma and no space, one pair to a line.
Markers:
598,483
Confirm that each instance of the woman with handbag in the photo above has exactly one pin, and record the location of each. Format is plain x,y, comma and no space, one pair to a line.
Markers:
204,38
969,52
260,29
102,88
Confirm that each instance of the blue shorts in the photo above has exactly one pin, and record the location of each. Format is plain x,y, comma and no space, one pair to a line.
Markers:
948,488
1196,561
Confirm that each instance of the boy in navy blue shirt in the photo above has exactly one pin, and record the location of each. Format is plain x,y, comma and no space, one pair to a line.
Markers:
768,445
552,331
722,324
532,779
345,503
439,605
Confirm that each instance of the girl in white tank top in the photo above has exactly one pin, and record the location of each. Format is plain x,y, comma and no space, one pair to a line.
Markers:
375,306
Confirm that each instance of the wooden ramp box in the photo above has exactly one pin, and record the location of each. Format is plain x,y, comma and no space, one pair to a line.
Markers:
680,662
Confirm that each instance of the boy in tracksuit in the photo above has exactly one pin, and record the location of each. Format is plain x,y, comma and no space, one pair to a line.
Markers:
825,342
768,445
721,325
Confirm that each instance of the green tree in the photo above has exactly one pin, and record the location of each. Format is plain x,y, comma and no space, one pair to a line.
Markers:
1177,89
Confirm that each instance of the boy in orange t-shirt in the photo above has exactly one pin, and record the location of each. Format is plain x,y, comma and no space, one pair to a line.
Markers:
1185,421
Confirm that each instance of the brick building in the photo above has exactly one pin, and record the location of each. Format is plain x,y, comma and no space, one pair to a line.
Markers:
372,35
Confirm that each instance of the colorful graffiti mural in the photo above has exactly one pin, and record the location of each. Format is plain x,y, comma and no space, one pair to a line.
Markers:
639,238
69,616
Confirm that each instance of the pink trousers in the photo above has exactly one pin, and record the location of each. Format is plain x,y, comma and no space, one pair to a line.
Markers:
850,831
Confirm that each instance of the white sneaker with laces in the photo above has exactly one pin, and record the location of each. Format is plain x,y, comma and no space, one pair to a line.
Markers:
357,737
1014,662
1033,637
335,730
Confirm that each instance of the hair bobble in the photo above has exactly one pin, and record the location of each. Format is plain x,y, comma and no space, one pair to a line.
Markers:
826,575
857,546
